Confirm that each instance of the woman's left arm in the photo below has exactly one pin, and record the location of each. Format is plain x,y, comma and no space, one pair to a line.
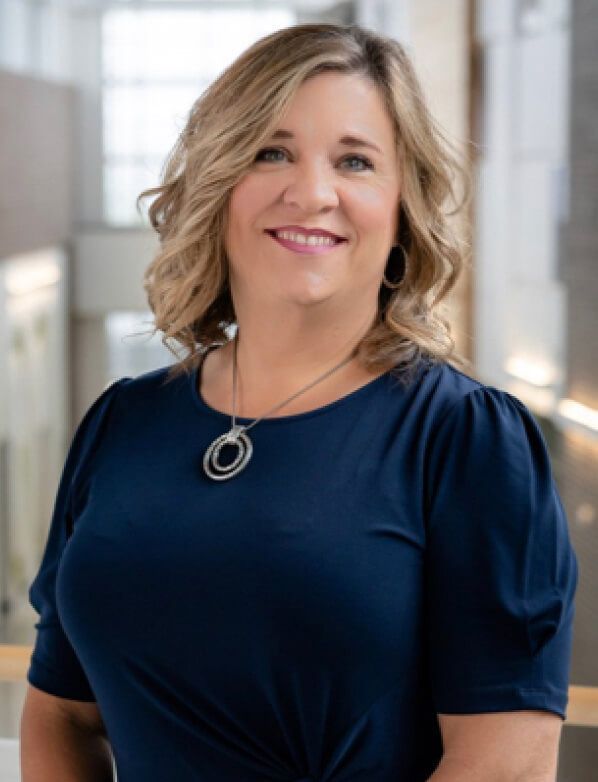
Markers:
501,575
513,746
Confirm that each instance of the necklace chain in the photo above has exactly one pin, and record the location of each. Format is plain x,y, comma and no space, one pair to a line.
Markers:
286,401
237,435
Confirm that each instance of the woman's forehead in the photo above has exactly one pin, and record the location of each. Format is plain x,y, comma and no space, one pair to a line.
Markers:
348,107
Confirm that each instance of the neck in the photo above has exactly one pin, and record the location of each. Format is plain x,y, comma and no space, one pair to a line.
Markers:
271,358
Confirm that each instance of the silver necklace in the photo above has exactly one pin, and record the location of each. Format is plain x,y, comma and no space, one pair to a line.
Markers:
237,434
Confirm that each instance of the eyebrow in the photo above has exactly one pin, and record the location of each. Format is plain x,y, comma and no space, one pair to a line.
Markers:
347,140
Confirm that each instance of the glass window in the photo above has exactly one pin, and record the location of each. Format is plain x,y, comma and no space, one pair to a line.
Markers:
155,63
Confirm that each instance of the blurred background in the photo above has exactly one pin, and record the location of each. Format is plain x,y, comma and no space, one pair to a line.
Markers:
92,97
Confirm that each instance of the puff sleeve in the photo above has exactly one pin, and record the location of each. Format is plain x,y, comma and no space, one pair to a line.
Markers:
501,573
54,666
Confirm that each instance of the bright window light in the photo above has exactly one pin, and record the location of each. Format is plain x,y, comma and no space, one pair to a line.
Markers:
155,63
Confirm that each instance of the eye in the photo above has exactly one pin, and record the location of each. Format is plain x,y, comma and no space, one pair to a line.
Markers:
363,160
267,151
273,150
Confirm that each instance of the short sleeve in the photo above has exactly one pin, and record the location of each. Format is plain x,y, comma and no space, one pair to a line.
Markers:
54,667
501,573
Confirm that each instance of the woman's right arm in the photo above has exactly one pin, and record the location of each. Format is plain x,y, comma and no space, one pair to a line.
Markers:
62,740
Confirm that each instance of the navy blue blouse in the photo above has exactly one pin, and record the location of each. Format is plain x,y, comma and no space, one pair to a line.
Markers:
397,553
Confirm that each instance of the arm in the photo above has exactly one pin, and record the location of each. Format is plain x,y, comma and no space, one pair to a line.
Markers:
516,746
62,741
500,586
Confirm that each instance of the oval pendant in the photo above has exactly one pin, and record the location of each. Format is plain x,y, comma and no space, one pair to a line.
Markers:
220,472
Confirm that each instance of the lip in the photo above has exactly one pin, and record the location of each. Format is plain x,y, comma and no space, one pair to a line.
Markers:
305,249
307,231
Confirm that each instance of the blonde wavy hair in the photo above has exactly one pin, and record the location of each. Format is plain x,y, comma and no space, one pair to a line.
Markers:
187,283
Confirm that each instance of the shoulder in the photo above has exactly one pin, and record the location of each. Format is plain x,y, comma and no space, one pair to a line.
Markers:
129,389
482,433
121,399
442,388
459,408
487,456
444,385
143,382
126,406
450,392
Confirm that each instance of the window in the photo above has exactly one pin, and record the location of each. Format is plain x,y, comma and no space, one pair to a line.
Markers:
155,63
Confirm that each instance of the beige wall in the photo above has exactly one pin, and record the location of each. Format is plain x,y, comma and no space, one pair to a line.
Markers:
439,45
36,127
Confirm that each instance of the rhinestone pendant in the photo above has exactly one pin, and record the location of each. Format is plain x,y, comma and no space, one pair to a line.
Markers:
220,472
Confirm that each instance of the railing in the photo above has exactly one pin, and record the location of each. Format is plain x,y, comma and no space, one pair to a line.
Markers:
582,708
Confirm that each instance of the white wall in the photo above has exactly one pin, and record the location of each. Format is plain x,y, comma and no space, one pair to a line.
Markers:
522,198
107,276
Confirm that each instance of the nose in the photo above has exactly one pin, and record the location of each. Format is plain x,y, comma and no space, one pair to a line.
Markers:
311,189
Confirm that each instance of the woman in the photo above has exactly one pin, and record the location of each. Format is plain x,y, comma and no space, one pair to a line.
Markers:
319,551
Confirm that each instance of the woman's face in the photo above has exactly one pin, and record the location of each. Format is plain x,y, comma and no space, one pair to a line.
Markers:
307,176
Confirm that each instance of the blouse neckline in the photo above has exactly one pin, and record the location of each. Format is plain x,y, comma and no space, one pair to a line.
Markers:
200,402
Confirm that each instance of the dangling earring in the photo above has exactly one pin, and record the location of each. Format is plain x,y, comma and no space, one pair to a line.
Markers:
394,259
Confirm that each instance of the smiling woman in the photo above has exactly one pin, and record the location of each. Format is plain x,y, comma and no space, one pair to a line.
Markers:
378,585
310,128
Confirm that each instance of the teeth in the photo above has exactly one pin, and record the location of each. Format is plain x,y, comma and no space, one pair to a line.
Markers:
302,239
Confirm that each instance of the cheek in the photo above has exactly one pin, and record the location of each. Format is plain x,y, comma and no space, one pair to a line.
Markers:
245,202
373,211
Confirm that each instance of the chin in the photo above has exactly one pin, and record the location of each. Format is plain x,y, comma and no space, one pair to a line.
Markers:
309,297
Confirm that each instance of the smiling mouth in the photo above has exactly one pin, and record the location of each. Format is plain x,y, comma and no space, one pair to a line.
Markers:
305,248
337,239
